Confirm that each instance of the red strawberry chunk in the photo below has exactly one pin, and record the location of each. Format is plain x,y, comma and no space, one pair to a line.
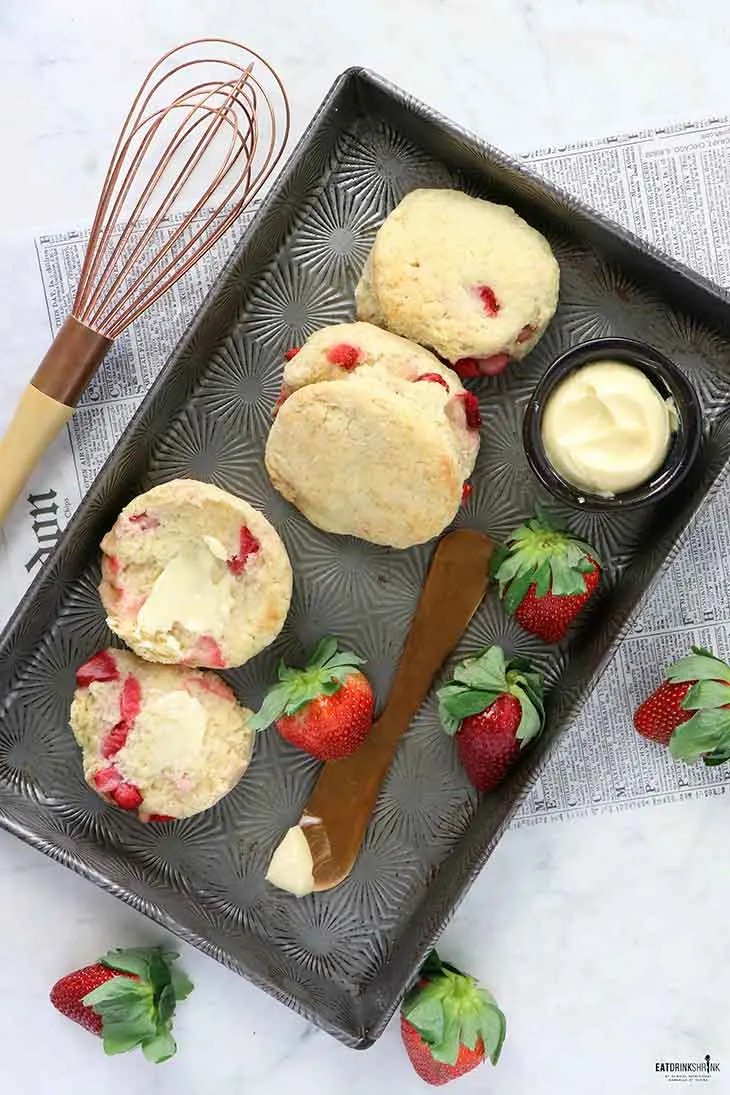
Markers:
494,365
526,333
292,353
207,652
160,817
435,378
467,368
211,684
130,701
115,740
247,545
471,409
102,667
344,355
110,567
127,796
489,300
143,521
281,399
107,780
466,490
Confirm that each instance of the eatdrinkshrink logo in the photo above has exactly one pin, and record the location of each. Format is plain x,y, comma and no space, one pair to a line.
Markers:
688,1072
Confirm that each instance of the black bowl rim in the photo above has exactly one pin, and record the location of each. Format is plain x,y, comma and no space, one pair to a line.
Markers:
665,374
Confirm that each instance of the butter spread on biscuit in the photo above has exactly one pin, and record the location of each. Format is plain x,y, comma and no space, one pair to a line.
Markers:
194,590
172,725
216,547
292,866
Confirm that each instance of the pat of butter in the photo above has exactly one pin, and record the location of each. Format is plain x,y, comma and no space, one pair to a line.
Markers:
194,590
173,724
292,866
606,428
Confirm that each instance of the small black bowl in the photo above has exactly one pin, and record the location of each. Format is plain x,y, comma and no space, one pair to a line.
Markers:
666,377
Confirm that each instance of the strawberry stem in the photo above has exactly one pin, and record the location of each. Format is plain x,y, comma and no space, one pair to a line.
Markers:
327,670
478,681
538,554
138,1011
450,1009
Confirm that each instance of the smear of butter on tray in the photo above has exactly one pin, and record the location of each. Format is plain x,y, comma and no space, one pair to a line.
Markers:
292,866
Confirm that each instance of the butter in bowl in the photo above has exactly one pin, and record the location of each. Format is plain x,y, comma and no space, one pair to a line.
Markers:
613,423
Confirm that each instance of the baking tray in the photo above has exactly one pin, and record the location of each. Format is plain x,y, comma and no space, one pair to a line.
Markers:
343,958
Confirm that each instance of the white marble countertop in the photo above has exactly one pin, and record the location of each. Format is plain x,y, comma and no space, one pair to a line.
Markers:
604,939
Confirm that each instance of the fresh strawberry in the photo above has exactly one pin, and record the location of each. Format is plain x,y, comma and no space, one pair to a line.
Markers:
449,1023
494,707
690,711
326,708
289,354
466,491
489,300
128,998
248,545
545,577
102,667
346,356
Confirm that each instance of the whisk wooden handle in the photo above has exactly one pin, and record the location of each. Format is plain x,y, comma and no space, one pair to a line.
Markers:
37,420
47,404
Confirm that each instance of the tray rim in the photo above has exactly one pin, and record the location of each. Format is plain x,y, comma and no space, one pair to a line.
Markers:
352,76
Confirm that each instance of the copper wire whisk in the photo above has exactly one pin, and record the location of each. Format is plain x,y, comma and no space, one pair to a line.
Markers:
204,133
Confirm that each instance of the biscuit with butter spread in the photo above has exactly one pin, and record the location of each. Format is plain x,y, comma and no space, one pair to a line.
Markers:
193,575
161,741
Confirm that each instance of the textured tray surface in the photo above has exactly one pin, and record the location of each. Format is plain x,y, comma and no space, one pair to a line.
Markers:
342,958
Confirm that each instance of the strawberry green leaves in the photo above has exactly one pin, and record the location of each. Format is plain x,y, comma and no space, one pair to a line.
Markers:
138,1010
537,554
478,681
327,671
706,735
450,1010
700,665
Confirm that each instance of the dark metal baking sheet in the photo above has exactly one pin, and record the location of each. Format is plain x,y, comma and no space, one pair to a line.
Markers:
343,958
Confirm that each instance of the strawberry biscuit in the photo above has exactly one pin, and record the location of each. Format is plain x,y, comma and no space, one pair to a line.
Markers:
194,575
373,436
161,741
467,278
